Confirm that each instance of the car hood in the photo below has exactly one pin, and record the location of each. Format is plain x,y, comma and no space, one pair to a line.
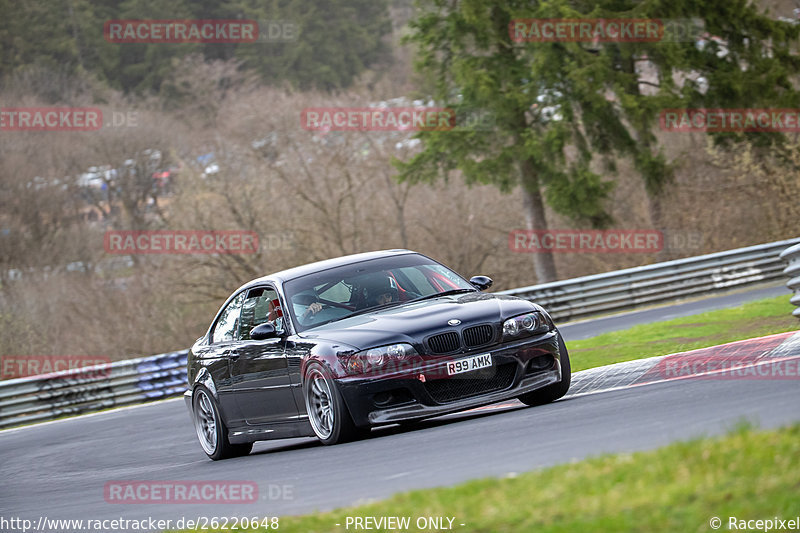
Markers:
411,322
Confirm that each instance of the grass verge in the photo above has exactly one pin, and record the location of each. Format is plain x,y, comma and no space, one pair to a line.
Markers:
746,474
753,319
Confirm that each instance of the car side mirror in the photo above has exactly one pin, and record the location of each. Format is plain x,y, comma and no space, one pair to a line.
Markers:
481,282
263,331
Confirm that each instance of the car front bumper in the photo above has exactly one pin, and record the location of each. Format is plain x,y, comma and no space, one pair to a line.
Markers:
518,368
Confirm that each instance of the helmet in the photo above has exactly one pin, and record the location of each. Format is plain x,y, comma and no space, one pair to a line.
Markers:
378,286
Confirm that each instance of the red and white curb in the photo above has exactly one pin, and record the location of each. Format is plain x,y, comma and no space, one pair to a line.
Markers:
774,357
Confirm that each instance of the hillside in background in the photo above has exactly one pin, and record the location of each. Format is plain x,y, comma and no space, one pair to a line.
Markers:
341,40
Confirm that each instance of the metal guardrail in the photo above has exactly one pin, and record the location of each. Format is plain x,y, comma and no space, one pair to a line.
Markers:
85,390
40,398
792,271
660,282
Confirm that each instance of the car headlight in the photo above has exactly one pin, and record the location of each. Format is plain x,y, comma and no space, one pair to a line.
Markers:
376,358
522,325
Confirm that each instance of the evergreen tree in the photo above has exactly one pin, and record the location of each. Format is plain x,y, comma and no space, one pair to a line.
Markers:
564,109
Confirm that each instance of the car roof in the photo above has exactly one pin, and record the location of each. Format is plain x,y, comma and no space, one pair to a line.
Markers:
311,268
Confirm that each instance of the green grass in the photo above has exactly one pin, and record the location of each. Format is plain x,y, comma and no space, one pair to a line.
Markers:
746,474
753,319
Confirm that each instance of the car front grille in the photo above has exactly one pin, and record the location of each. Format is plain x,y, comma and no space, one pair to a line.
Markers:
456,388
444,342
451,341
478,335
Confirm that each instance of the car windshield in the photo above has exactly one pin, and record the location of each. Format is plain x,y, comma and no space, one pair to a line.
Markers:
340,292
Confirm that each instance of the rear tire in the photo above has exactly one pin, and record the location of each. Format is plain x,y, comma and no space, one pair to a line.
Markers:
327,412
211,430
555,391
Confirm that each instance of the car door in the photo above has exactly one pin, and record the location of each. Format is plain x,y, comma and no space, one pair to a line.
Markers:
259,367
216,356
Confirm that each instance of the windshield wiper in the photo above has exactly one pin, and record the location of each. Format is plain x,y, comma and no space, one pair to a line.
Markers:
445,293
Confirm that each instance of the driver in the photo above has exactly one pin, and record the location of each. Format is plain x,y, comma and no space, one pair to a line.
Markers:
381,292
308,300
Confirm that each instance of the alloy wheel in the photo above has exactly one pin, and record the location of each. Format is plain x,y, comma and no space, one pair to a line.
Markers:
205,422
319,400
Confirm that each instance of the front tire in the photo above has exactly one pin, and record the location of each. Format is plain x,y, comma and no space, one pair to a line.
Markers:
326,409
555,391
211,430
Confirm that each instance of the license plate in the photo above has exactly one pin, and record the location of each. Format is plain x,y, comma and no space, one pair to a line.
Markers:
468,364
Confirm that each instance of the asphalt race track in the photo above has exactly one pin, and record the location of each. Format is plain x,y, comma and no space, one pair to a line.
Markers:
60,469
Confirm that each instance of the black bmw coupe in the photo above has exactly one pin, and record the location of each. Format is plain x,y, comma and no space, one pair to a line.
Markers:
333,348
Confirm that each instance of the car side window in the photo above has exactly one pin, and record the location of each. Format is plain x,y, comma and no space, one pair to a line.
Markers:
228,322
262,305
